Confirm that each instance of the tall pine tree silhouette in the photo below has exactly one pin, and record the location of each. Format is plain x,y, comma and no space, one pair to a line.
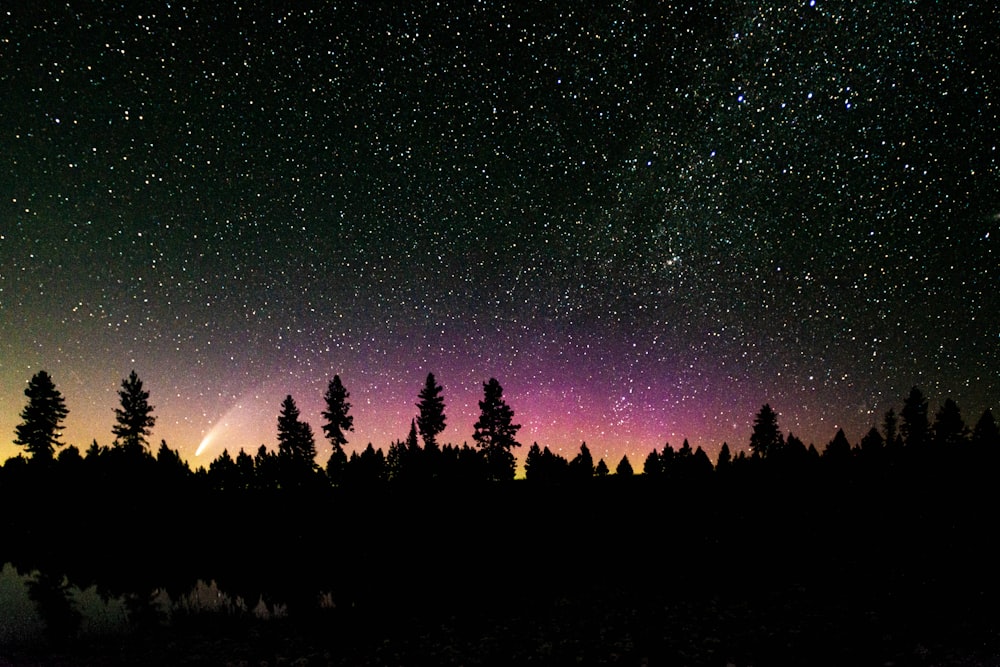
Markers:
338,423
766,438
134,420
42,418
431,420
296,444
495,432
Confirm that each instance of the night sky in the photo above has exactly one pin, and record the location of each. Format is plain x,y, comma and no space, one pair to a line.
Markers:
644,219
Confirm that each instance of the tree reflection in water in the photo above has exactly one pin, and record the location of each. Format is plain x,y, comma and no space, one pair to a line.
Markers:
45,606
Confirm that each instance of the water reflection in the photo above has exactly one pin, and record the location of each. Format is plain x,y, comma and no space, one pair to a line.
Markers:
45,606
18,619
38,605
56,605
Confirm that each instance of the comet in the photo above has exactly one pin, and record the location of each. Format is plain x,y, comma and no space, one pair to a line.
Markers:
242,424
213,433
205,442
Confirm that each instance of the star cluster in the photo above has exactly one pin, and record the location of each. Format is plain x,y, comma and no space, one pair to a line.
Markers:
645,219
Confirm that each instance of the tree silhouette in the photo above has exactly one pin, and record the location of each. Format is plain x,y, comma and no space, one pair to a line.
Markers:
70,457
624,468
766,438
245,472
533,462
794,455
296,443
495,432
170,464
223,472
53,599
725,459
336,465
338,423
367,468
405,460
915,427
986,435
601,470
412,444
396,460
581,466
134,419
42,418
652,466
890,428
701,465
872,444
685,451
667,460
265,465
949,427
838,451
431,419
541,465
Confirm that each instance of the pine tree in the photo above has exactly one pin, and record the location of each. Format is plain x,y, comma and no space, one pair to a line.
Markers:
766,438
295,437
396,460
624,468
170,463
700,464
533,463
42,418
265,466
653,466
406,461
725,459
431,419
338,422
986,435
222,472
367,468
245,472
495,432
873,443
949,427
685,452
412,444
838,449
915,427
602,469
134,419
667,460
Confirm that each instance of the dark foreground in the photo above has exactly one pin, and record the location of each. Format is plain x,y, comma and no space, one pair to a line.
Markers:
601,627
895,568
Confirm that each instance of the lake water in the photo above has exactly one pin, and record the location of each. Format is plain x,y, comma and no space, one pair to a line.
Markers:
20,621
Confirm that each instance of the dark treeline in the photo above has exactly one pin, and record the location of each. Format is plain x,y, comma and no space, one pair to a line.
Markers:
904,439
893,527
